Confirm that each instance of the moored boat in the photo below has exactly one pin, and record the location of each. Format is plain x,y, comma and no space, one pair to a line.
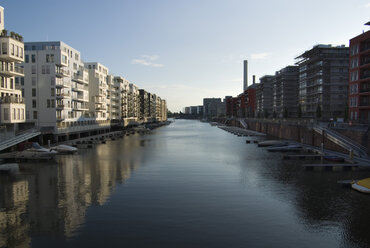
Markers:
9,168
64,149
285,148
272,143
362,185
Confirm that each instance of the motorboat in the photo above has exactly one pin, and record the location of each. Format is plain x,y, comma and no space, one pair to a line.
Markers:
272,143
32,150
64,149
362,185
334,158
285,148
9,168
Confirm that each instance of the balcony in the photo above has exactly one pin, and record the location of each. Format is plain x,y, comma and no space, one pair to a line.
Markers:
63,95
98,99
60,106
61,84
59,72
12,47
80,88
11,99
81,76
100,108
10,70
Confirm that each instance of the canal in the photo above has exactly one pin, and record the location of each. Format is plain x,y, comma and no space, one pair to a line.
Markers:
188,184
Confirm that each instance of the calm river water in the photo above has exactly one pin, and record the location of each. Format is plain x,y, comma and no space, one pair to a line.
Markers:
185,185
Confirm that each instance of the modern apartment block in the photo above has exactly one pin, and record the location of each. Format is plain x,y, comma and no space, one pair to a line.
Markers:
99,92
359,78
264,98
323,85
56,87
12,106
212,107
121,86
285,92
144,104
133,102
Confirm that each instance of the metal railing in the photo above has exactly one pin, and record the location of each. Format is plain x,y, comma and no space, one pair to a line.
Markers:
11,99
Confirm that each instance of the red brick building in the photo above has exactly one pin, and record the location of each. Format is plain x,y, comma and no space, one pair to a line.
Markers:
242,106
359,78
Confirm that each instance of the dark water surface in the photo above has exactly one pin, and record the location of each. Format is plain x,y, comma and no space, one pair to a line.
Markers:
185,185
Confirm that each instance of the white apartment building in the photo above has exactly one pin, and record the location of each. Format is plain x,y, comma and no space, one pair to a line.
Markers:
121,86
56,87
12,107
133,103
99,91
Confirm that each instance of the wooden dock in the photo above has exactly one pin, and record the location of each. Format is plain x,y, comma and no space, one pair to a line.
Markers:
331,167
302,156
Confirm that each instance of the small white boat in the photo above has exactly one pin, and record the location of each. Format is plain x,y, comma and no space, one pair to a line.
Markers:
9,168
285,148
64,149
362,185
32,150
272,143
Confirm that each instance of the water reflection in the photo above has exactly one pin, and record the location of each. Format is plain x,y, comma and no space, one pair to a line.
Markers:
197,186
52,198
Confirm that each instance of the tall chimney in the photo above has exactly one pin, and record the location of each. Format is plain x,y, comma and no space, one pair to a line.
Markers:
245,77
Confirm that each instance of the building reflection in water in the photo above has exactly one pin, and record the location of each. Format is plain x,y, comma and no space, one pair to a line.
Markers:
52,199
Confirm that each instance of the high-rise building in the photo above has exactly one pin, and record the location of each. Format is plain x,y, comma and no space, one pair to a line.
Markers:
264,96
359,78
99,89
323,81
285,92
12,107
56,87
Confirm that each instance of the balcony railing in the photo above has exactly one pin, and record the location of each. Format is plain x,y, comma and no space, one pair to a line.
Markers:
11,99
10,69
13,35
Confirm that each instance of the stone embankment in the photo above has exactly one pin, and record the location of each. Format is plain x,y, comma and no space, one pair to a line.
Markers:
303,132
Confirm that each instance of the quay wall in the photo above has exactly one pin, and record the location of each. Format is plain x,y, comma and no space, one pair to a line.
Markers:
301,132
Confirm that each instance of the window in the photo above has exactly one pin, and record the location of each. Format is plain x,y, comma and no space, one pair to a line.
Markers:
64,59
11,83
33,69
6,114
76,57
35,115
33,81
19,114
33,103
52,103
52,92
48,103
42,69
27,58
33,47
5,48
33,58
49,58
2,82
14,114
21,53
47,69
33,92
12,49
52,81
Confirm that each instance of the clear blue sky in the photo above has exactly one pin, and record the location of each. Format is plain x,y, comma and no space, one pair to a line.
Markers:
186,50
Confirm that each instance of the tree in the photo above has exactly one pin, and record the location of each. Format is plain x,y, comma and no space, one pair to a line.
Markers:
318,111
299,112
285,114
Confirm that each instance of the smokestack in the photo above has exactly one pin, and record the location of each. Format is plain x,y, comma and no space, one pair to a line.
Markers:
245,77
254,79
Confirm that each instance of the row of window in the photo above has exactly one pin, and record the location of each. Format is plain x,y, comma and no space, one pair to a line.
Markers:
15,50
18,114
4,83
